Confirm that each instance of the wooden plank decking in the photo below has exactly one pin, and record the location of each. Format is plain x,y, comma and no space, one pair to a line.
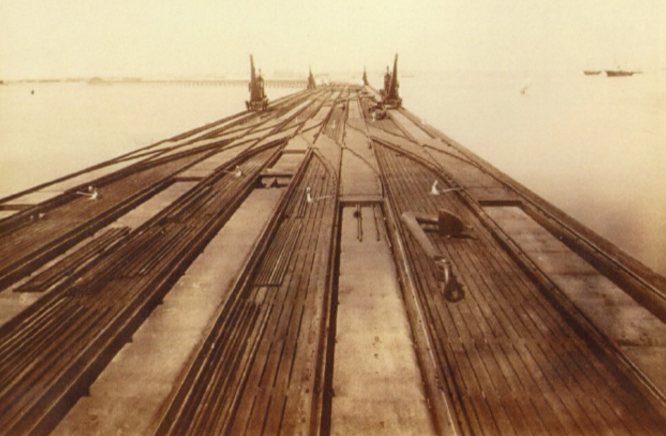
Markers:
558,332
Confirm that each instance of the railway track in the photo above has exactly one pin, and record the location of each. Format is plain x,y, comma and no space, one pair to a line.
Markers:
90,318
100,292
508,358
505,340
41,232
260,369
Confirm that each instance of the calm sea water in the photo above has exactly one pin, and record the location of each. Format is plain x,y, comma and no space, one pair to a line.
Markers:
593,146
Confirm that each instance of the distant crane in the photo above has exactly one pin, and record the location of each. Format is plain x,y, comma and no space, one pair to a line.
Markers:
311,81
390,96
258,101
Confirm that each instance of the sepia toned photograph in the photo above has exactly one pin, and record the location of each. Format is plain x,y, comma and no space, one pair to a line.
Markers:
332,218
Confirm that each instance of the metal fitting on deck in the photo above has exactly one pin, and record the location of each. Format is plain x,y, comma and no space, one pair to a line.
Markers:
449,286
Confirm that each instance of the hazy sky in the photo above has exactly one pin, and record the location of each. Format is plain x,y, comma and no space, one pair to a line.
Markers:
79,38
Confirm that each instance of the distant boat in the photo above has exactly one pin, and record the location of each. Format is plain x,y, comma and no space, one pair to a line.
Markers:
619,73
592,72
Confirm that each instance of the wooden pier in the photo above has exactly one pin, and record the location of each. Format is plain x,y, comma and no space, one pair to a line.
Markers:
254,276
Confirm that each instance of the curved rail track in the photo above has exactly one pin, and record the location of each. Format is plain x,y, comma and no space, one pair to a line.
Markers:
261,369
505,340
102,290
85,320
39,233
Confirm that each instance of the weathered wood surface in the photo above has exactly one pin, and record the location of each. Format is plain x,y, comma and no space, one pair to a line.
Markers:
558,332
